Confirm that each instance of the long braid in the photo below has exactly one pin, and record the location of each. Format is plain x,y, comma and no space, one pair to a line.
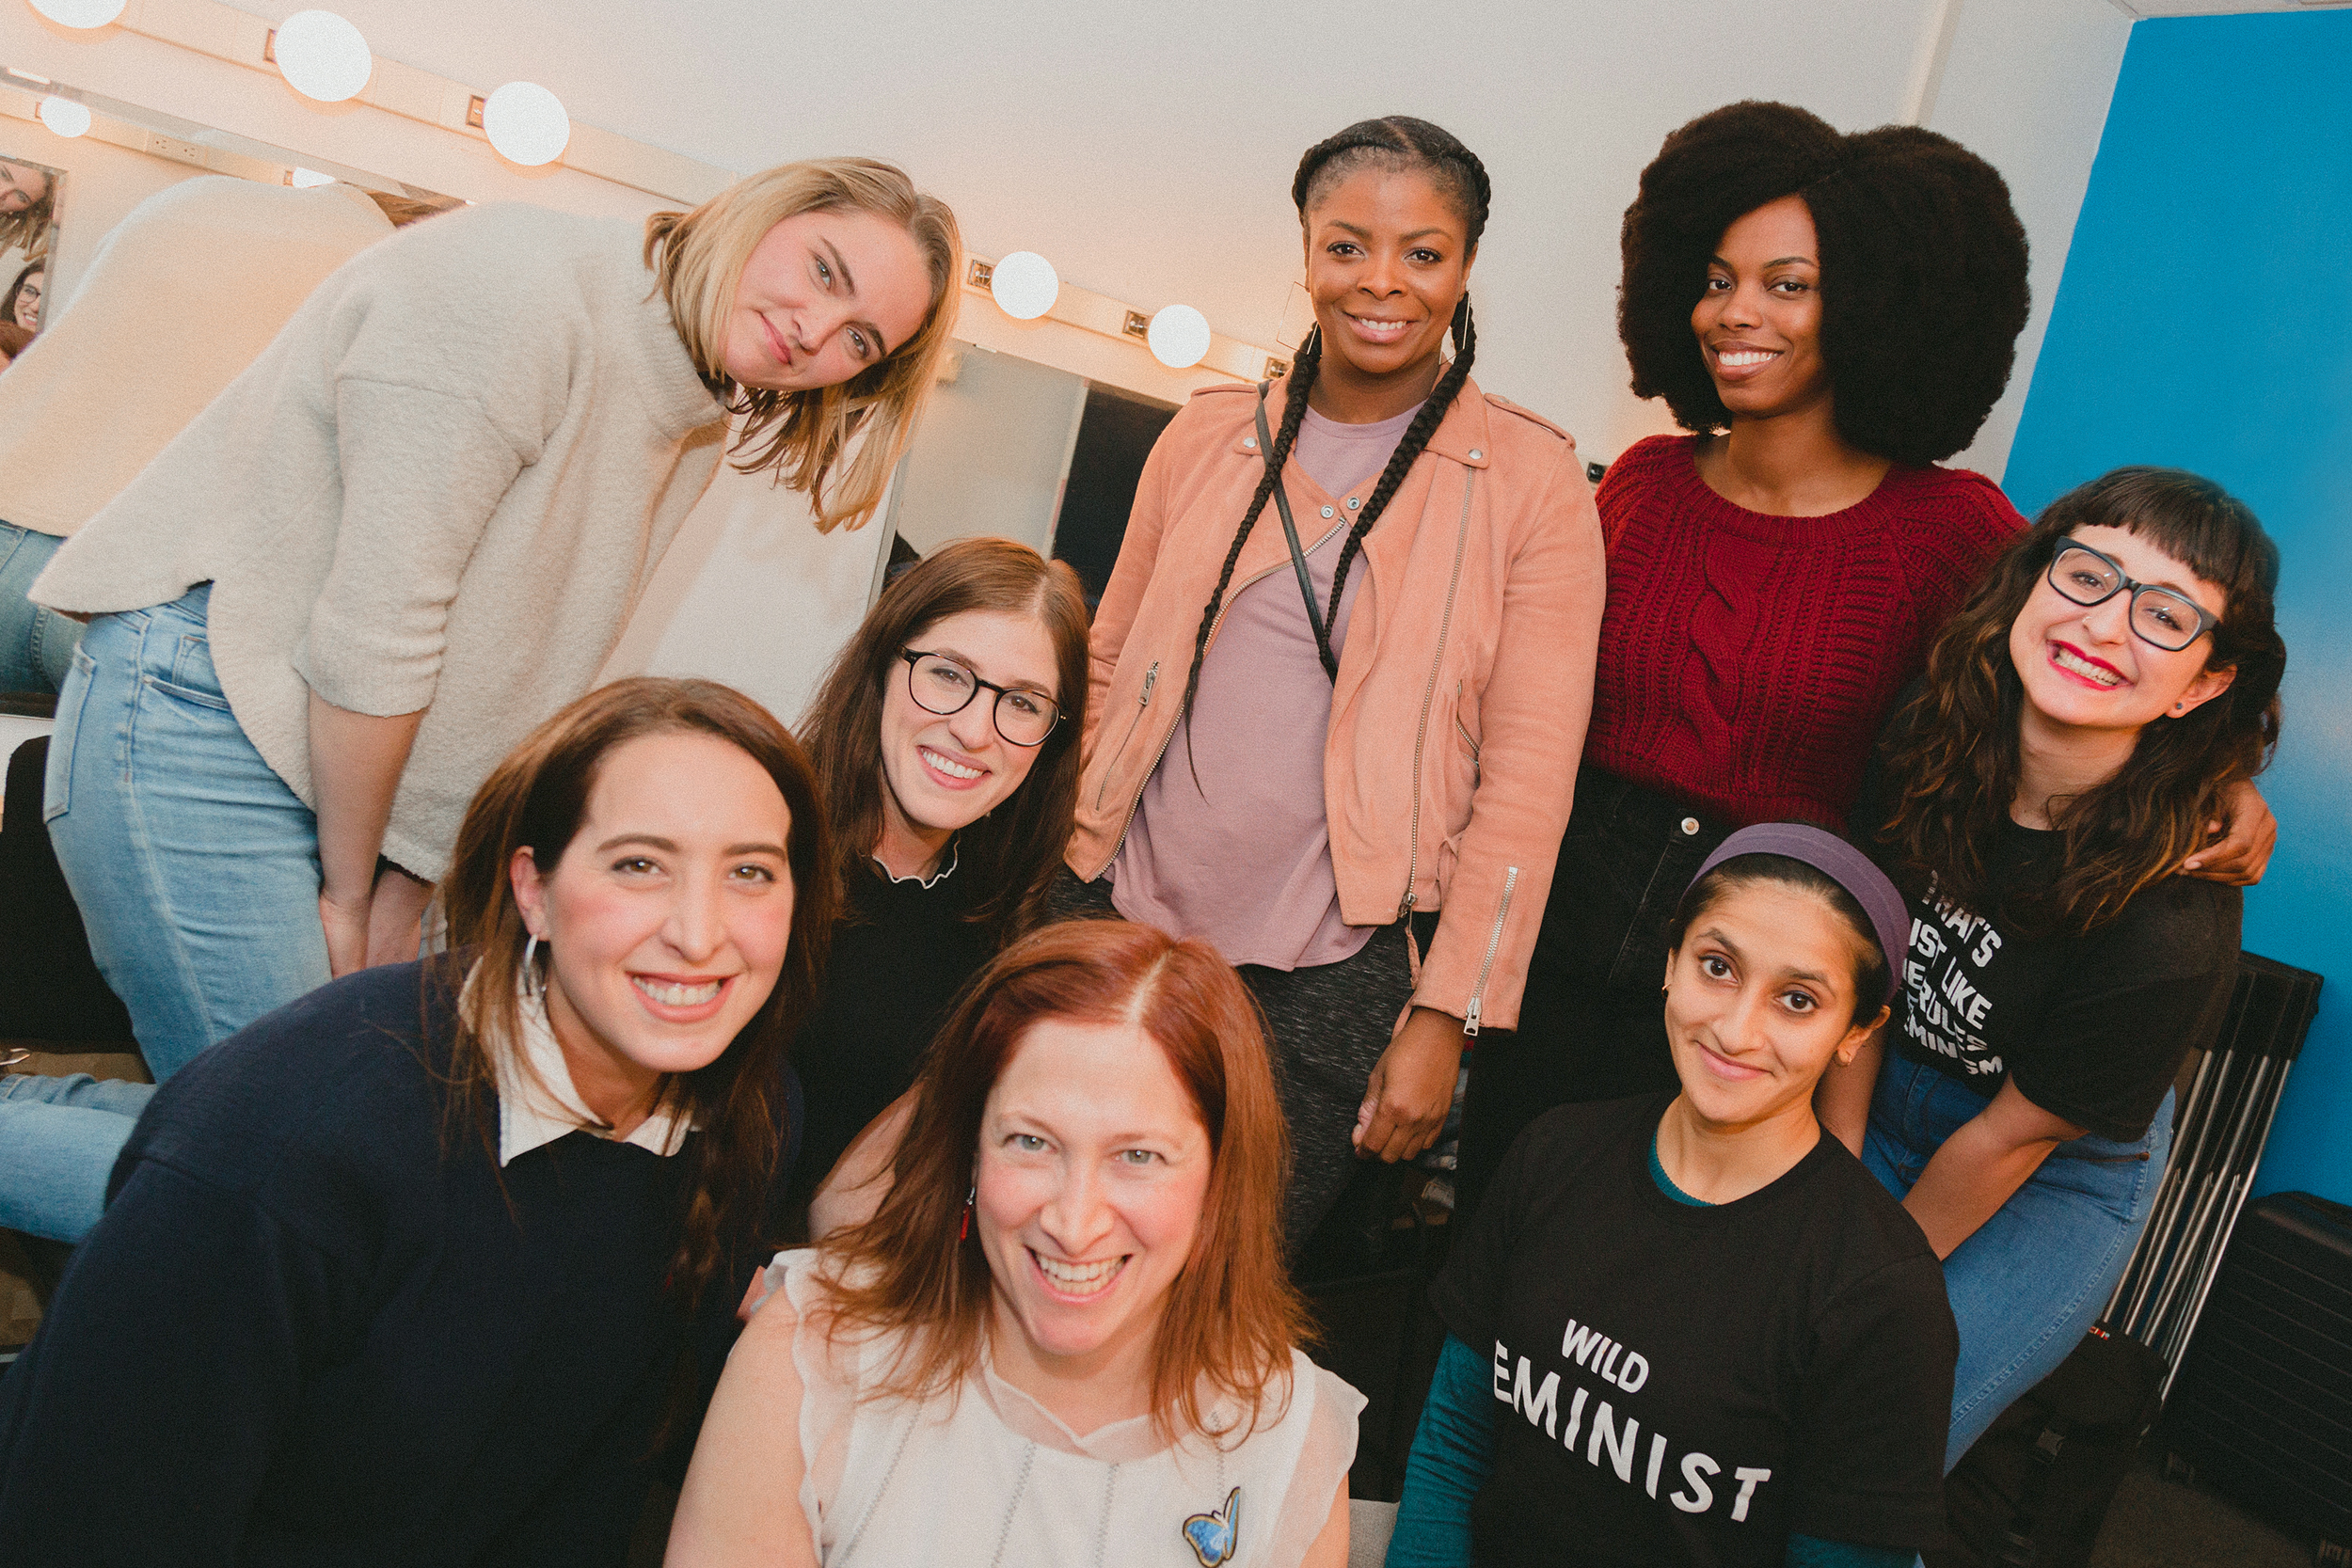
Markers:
1402,140
1301,382
1408,449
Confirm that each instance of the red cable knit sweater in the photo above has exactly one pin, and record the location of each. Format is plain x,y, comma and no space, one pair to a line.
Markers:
1747,661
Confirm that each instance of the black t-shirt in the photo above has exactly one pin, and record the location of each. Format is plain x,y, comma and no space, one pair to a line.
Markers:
896,963
2092,1027
1693,1385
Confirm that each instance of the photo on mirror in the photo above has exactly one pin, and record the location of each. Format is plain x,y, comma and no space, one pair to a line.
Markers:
29,194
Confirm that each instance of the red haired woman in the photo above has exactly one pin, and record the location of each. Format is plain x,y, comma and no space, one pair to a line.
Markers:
1069,1317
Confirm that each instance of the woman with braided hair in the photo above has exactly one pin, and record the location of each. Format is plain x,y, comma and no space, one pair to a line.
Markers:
1379,721
1829,316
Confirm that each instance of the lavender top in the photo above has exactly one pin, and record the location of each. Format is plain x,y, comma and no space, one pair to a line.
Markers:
1244,860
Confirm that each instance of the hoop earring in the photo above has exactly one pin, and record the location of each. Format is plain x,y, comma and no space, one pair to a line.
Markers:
963,1232
535,984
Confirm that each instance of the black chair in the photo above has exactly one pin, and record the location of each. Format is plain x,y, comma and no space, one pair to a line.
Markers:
53,996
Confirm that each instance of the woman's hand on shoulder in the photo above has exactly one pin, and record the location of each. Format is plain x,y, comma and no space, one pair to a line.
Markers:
2245,836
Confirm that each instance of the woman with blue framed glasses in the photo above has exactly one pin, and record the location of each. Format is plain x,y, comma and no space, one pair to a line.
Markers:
2081,720
950,773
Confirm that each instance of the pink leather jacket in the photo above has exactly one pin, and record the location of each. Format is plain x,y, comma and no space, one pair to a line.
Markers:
1463,690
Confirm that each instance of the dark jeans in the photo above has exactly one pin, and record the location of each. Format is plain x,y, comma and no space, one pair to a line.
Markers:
1329,1023
1591,1025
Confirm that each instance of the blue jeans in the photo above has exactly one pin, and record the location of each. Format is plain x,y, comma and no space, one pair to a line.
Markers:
2031,1281
60,1136
196,869
36,643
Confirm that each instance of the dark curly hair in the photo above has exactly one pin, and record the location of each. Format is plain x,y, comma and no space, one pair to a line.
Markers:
1953,774
1923,270
1395,141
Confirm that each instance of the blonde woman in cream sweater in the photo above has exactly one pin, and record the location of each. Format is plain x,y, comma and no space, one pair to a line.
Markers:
413,528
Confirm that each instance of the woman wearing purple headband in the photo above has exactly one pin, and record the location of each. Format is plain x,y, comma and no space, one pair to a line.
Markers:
2084,716
1692,1328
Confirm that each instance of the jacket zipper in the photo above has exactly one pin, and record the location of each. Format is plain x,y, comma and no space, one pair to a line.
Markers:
1150,678
1445,624
1463,730
1494,944
1222,611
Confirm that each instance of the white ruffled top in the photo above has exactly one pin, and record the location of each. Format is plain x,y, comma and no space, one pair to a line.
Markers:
991,1476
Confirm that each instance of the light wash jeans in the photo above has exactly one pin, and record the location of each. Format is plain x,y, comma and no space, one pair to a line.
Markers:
36,643
197,872
2035,1277
60,1136
196,869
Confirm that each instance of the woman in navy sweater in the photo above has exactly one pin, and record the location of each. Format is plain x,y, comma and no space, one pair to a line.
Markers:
435,1264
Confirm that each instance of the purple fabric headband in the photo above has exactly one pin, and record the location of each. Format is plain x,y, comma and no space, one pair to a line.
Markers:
1844,864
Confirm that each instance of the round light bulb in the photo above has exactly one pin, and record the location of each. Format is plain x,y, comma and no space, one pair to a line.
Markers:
79,13
1178,337
64,116
1025,284
526,124
322,55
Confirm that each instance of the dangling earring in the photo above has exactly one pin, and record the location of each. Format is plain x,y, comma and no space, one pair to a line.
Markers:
534,985
963,1232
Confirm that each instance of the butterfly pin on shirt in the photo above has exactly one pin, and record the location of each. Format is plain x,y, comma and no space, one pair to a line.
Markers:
1214,1536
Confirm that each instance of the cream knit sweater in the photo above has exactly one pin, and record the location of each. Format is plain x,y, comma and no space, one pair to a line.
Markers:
442,488
181,295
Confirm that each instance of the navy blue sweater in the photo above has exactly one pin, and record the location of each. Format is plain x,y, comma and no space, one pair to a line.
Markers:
305,1332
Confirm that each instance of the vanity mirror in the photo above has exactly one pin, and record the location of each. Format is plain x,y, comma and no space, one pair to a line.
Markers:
118,155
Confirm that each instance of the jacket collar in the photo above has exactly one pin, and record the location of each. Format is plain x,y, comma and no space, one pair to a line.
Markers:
1462,436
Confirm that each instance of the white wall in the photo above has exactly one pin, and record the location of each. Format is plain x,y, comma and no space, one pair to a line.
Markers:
2027,85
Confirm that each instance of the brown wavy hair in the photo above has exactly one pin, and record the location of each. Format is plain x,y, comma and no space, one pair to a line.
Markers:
535,799
1015,852
698,259
1231,1316
1952,774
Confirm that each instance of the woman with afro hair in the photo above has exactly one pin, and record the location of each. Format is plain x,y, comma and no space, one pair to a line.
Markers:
1369,592
1828,315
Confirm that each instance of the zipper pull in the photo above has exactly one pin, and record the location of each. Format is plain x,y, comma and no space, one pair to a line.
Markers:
1151,678
1405,906
1470,1018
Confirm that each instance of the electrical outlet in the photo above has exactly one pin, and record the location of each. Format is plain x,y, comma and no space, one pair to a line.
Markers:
172,146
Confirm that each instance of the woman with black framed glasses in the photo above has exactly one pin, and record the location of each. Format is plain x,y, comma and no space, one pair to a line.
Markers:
949,768
2083,716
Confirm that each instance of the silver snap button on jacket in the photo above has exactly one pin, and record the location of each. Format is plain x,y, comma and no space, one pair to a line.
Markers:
1689,827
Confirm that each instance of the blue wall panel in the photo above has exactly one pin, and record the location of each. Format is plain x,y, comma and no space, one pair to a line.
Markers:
2205,320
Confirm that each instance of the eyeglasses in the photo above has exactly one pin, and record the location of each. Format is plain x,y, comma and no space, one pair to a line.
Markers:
939,684
2159,616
